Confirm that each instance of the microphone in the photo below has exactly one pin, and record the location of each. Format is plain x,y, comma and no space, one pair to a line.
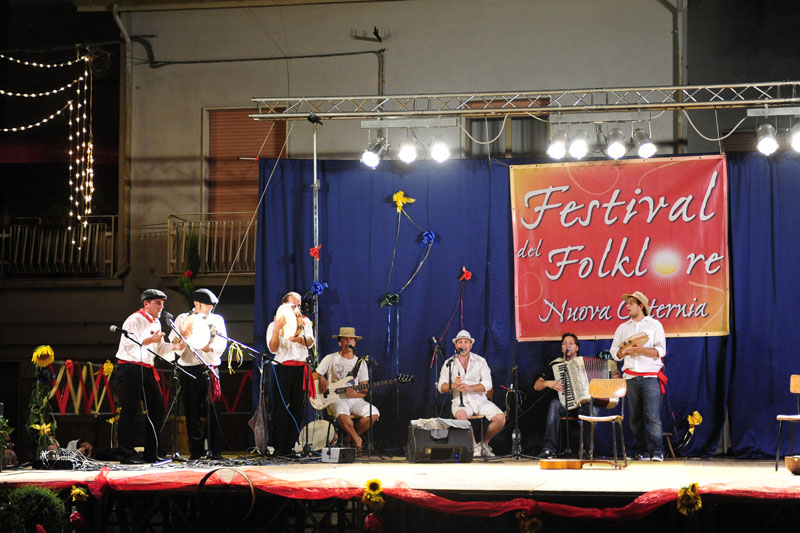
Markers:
566,352
113,328
459,351
167,315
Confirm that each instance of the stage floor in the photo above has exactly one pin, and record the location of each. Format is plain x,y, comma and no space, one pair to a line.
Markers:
509,476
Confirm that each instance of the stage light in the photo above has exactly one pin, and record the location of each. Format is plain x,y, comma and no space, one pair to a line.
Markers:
644,146
439,151
558,145
373,154
767,143
579,145
408,151
795,137
615,147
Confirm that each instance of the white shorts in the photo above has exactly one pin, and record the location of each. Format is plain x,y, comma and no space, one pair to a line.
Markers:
353,406
476,406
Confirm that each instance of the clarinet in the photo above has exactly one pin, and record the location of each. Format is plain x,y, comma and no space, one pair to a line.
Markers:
460,394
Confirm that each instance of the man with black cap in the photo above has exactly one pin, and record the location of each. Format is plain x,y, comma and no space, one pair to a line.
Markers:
137,376
643,369
205,332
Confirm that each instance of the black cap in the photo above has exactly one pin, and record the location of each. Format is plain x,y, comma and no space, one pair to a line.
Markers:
205,296
153,294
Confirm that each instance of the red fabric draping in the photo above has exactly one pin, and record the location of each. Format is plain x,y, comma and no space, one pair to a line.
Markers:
341,489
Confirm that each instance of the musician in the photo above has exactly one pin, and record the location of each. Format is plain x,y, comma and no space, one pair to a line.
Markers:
340,365
137,377
570,348
642,368
468,377
195,391
292,375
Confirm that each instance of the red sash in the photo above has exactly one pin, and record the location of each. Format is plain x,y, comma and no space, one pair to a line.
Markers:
308,377
155,374
662,377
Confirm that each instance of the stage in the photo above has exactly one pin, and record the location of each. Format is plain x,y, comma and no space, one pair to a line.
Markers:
478,495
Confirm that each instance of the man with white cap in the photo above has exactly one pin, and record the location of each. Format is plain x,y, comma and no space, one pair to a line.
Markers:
137,376
339,365
468,377
205,332
643,369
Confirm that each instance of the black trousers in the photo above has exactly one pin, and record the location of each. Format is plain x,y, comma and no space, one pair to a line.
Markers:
284,431
195,394
137,383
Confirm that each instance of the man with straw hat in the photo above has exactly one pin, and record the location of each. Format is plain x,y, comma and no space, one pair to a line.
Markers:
339,365
641,344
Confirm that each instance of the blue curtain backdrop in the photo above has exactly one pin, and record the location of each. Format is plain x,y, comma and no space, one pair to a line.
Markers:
466,202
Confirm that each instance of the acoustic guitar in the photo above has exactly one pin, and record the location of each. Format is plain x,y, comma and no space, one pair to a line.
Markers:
338,389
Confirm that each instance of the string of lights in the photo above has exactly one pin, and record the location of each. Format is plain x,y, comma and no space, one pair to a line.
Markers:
36,64
36,124
45,93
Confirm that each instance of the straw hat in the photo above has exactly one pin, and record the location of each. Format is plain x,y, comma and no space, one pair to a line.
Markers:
347,332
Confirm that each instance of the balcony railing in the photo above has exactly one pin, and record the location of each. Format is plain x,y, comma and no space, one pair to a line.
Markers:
36,248
218,241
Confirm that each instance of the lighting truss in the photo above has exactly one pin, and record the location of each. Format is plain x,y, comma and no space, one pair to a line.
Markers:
544,103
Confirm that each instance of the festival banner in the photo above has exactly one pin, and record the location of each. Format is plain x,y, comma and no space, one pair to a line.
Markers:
586,233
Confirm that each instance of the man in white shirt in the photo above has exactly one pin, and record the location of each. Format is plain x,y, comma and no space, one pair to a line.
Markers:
137,377
643,369
468,377
197,326
293,376
340,365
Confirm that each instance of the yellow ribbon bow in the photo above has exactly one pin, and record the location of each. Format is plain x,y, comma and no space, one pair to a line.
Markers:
400,199
43,429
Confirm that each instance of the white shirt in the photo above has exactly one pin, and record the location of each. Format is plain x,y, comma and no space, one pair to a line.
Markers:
218,343
657,340
477,372
341,367
292,351
141,325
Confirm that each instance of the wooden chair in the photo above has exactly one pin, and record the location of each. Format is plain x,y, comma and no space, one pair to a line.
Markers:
794,388
606,389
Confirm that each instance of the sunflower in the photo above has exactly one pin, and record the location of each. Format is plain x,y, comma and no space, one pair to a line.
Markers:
79,494
689,502
43,356
372,495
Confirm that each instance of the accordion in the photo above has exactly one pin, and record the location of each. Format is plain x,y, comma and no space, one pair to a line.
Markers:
575,375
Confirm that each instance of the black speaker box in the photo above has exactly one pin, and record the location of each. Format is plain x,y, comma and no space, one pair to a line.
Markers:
454,447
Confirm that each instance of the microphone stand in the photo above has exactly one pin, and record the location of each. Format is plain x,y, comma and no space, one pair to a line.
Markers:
437,352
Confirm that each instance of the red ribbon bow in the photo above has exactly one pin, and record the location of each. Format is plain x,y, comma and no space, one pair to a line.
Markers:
314,252
466,276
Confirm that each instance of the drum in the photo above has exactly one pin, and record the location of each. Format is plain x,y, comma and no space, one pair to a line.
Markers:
197,331
319,434
638,339
293,320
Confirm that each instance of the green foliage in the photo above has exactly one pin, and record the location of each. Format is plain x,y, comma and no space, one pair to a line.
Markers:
41,422
24,507
5,433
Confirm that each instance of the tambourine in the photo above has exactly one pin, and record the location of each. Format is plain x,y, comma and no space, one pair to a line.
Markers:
197,331
639,339
294,320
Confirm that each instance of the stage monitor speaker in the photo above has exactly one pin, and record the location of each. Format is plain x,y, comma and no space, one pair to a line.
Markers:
338,455
454,447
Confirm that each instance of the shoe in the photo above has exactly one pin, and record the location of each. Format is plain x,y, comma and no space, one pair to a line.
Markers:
487,450
132,460
195,457
644,457
155,459
658,457
477,450
547,454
